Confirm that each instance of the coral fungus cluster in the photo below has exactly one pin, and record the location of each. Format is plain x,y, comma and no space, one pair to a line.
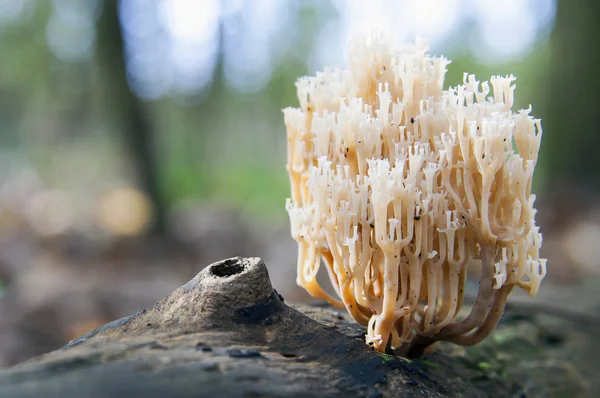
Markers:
398,185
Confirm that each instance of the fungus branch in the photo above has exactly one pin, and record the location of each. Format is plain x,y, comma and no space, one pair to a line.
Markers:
398,184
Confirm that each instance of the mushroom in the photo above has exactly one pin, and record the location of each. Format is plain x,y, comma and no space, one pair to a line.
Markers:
397,185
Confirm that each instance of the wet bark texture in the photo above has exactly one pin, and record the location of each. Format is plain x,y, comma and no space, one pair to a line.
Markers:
227,333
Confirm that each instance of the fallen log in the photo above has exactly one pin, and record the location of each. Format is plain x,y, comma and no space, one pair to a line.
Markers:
228,333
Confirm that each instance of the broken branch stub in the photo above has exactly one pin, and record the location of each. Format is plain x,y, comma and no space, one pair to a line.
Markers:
232,291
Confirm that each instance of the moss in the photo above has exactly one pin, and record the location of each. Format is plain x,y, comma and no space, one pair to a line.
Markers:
430,364
484,365
387,358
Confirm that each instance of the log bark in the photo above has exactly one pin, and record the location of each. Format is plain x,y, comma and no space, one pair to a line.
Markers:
228,333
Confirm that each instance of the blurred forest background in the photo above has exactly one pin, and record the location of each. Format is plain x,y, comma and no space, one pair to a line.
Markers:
142,139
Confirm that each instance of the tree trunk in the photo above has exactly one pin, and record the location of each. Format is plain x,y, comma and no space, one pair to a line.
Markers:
129,112
570,151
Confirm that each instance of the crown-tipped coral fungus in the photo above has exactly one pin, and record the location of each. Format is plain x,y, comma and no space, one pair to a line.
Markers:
398,184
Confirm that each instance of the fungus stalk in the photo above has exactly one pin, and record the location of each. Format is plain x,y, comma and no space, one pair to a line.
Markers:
397,185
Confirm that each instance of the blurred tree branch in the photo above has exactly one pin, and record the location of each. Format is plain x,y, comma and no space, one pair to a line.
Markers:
130,113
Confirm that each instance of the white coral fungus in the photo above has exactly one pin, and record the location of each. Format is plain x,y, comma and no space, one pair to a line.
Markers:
398,184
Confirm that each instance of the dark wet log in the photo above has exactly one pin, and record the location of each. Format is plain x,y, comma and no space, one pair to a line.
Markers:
227,333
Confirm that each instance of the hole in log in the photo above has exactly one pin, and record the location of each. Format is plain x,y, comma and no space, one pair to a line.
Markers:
230,267
288,355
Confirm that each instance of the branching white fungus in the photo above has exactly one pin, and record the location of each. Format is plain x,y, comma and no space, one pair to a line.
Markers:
398,184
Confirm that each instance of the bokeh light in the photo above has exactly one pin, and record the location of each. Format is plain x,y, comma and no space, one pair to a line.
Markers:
173,44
